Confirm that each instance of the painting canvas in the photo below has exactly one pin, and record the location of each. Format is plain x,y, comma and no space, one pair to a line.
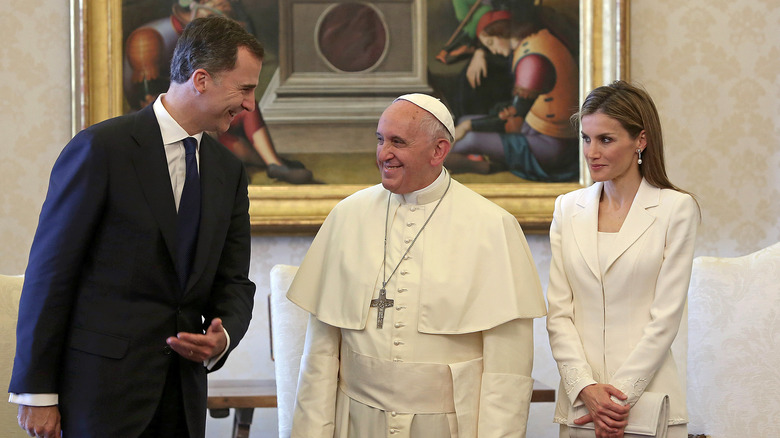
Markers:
332,67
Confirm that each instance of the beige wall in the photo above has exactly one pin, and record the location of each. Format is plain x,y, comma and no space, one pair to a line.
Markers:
713,67
34,115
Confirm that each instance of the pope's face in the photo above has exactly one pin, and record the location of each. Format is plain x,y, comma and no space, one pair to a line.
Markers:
405,153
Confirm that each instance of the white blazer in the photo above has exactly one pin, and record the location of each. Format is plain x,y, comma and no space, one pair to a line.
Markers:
619,329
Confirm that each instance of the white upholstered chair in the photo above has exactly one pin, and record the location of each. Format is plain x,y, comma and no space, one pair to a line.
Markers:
733,338
288,332
10,290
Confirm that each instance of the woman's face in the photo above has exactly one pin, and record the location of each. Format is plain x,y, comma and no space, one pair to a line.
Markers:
609,149
496,44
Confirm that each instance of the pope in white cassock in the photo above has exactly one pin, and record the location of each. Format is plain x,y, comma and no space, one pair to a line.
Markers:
422,295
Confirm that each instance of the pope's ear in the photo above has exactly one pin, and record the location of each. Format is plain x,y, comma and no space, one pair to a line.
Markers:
440,151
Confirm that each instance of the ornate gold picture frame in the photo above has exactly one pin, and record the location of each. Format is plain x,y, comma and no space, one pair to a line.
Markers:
96,41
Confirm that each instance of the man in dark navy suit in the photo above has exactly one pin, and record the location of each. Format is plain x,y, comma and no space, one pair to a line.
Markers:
137,283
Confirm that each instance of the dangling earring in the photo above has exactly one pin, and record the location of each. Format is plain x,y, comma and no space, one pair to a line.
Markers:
639,151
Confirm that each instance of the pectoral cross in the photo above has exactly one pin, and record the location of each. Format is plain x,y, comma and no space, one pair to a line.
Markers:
381,304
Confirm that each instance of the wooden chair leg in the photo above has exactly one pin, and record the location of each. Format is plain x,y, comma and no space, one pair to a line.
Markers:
242,421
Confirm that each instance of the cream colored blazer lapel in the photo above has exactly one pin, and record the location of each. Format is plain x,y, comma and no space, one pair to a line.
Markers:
585,223
637,221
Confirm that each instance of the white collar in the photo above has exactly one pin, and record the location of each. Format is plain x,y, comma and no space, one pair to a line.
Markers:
170,129
432,192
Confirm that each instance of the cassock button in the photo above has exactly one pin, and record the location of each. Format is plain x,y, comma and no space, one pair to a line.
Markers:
393,413
402,290
412,208
398,325
397,343
407,240
404,272
410,224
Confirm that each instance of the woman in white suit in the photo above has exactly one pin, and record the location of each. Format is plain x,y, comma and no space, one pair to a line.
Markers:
622,251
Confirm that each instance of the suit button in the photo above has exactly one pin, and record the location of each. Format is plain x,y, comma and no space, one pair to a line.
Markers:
167,350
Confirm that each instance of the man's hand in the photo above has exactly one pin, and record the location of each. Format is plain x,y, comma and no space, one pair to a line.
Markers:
40,421
608,417
198,347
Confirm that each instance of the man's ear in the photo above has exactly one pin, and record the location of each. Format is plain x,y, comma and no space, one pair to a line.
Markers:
440,151
200,78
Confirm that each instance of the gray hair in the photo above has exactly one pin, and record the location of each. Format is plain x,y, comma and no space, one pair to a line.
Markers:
434,128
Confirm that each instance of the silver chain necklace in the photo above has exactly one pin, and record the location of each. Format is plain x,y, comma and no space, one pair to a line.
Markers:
382,302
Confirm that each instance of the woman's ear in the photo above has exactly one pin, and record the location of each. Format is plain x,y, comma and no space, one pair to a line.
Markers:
642,141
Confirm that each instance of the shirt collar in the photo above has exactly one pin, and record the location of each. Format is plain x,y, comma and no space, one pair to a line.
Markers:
170,129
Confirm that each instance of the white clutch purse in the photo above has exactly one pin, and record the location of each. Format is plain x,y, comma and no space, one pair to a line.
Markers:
648,418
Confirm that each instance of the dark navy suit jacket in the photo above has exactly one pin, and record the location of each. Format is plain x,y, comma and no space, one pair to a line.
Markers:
101,293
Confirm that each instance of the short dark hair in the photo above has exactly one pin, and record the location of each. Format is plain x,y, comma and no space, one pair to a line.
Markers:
211,43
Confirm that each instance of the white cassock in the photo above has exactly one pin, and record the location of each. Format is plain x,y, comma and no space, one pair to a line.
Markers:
455,353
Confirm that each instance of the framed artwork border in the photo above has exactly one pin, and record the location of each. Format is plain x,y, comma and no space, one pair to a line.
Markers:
96,49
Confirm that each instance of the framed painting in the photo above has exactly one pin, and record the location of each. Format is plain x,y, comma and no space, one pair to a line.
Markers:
330,70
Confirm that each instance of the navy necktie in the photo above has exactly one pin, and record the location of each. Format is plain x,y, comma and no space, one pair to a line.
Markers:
189,213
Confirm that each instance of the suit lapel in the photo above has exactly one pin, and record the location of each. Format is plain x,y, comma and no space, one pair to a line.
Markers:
585,225
212,179
151,166
637,221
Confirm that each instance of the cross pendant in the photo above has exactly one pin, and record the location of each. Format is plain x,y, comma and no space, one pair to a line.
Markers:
381,304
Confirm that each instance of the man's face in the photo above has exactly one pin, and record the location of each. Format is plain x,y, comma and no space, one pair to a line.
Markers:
405,154
228,93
